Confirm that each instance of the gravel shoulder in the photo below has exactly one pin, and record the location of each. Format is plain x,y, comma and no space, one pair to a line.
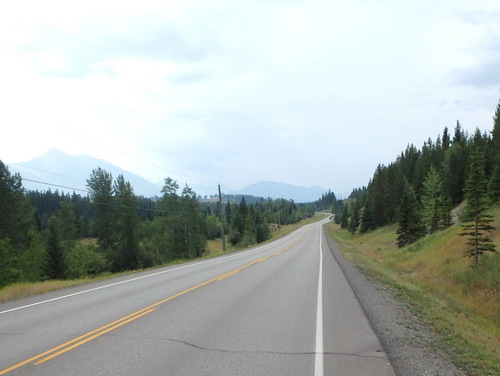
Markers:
406,341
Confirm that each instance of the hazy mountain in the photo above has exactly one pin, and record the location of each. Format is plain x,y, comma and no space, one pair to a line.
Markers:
67,172
280,190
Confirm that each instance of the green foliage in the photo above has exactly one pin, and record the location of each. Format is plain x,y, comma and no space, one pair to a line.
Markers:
16,213
436,205
8,271
32,262
55,254
212,227
475,211
125,255
437,173
100,185
85,260
411,226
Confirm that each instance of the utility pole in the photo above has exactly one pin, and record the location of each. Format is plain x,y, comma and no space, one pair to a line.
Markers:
223,238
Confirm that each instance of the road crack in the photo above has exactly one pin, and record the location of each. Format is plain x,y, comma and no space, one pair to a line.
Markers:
258,352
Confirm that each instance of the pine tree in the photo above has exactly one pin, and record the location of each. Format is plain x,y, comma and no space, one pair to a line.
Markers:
411,226
100,186
127,221
195,239
16,213
455,161
366,220
55,254
477,221
494,183
344,217
436,206
354,219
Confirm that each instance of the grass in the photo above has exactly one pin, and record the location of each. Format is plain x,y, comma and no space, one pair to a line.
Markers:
456,301
214,248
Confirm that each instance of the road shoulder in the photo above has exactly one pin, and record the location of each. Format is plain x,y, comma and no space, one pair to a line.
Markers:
406,341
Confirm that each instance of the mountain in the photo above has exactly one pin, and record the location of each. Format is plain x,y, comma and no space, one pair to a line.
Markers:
66,173
280,190
58,170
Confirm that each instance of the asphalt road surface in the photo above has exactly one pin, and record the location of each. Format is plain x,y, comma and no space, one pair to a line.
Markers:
284,308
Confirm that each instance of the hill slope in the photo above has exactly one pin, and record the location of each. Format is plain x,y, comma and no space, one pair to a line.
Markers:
458,302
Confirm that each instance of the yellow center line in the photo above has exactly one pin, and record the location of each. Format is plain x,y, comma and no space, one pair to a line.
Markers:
94,336
228,274
70,345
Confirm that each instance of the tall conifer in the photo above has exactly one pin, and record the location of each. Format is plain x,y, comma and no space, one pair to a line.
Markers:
477,221
411,226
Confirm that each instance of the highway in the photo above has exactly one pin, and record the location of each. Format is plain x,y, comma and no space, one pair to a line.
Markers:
284,308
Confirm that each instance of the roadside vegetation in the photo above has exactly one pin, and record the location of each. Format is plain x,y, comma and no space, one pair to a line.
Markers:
47,236
432,277
428,225
213,249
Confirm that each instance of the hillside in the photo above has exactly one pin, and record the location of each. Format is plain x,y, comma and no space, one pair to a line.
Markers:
457,302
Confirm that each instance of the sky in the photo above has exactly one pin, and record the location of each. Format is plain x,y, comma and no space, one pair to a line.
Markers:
308,93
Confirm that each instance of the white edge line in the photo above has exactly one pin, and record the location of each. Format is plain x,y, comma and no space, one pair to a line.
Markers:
318,362
144,276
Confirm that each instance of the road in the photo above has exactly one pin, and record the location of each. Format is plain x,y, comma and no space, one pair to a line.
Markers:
284,308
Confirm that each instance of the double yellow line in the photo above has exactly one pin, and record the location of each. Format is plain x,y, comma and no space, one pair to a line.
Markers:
70,345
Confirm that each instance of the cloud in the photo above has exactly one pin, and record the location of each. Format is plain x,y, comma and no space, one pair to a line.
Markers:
303,92
58,53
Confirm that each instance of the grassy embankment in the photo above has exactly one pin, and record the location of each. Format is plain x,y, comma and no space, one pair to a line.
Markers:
214,248
459,303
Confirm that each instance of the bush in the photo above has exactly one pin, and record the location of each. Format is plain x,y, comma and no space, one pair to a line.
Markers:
85,260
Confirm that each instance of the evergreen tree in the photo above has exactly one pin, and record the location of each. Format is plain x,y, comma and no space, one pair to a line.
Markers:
32,261
366,220
494,183
354,217
477,221
194,230
455,161
434,201
16,213
100,185
127,220
344,217
8,271
67,223
446,140
55,256
411,226
496,134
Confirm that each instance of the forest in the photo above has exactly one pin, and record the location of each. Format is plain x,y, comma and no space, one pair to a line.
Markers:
56,235
422,188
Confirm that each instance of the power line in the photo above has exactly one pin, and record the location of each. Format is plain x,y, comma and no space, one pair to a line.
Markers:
116,205
56,185
138,159
47,172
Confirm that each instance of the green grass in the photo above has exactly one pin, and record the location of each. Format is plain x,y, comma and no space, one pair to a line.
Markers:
454,300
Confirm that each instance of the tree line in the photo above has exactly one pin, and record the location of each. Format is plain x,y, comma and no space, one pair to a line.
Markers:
52,235
419,190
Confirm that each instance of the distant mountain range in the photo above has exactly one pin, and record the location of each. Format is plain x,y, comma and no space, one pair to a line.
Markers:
67,172
280,190
58,170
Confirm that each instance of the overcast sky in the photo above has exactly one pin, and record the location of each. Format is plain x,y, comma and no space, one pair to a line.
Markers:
310,93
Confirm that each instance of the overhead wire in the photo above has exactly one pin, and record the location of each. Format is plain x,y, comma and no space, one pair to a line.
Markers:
138,159
115,151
